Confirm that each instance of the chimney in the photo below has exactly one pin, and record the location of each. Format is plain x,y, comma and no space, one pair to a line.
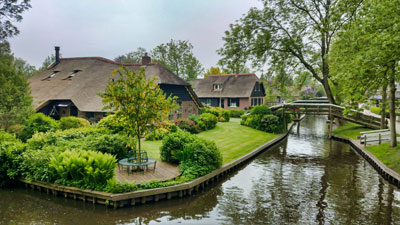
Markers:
146,59
57,48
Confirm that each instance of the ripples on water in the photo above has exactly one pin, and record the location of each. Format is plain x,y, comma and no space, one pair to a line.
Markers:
307,179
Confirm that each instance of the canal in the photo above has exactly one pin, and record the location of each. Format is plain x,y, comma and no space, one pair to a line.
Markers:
307,179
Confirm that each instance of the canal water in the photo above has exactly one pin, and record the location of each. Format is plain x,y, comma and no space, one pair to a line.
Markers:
307,179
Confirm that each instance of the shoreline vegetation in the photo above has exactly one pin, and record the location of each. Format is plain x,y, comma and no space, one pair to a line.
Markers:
386,154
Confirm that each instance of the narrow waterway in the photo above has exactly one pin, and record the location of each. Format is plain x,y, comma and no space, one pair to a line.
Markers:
307,179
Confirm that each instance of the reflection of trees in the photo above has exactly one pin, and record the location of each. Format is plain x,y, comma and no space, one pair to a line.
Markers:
31,207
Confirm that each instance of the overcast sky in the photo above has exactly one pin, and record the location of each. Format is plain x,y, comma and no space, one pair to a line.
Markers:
110,28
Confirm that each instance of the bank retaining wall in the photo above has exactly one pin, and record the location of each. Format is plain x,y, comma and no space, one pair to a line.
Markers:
388,174
155,194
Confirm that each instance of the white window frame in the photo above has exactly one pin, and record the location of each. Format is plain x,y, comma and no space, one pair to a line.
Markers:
217,87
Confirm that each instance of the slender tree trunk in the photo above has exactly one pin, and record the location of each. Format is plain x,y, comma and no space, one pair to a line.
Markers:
383,106
392,108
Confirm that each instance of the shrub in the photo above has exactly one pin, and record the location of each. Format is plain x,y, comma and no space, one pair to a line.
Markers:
113,123
114,144
156,134
378,111
199,158
73,122
10,150
237,112
188,125
209,120
83,169
222,115
172,146
271,124
37,122
261,110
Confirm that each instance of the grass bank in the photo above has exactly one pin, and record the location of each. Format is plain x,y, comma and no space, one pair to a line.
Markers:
232,139
387,155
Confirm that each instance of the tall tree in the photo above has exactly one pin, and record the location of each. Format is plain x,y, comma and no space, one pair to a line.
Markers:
47,62
292,35
213,71
138,101
15,98
10,11
366,55
26,69
178,57
132,57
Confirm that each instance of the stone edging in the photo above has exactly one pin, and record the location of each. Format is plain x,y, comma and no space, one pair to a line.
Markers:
390,175
155,194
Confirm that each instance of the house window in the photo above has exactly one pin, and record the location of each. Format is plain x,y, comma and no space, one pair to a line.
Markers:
73,73
51,75
257,101
89,114
208,101
233,102
217,87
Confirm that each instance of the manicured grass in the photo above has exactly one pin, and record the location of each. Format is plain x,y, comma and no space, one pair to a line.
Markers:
232,139
389,156
350,130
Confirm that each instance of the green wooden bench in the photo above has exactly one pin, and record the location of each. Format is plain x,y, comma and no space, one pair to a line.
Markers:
133,161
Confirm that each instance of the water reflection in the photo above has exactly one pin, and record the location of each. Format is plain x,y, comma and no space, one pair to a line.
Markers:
307,179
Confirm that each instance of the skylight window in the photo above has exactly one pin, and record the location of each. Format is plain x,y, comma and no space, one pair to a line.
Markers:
217,87
51,75
72,74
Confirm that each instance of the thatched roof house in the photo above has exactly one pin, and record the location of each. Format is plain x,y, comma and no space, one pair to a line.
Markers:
231,90
71,86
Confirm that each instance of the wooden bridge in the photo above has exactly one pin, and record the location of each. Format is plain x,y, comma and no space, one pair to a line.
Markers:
323,107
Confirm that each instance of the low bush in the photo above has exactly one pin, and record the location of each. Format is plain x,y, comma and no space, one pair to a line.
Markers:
188,125
172,146
37,122
10,150
83,169
199,158
97,139
73,122
112,123
260,110
272,124
222,115
208,121
237,113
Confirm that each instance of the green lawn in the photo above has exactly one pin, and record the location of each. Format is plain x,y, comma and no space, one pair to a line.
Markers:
232,139
389,156
350,130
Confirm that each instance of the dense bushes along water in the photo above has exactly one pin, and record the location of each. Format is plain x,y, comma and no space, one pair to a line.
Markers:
262,118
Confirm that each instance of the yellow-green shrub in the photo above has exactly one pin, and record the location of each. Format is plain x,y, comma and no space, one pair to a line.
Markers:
73,122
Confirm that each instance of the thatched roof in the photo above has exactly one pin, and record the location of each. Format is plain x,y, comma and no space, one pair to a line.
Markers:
83,88
233,85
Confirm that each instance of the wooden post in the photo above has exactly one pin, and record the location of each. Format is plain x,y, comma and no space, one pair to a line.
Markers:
365,140
379,138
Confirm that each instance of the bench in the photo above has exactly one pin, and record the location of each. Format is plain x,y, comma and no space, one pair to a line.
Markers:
133,162
379,136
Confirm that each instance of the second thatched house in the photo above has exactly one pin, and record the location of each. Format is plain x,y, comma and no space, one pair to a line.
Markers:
230,91
70,87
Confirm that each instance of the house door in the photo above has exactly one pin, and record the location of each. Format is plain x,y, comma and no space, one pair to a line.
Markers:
73,110
222,102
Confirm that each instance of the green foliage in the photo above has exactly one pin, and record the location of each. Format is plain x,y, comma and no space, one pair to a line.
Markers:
137,101
38,122
172,146
178,57
199,158
97,139
213,71
262,118
73,122
10,12
237,112
15,98
188,125
260,110
223,115
83,169
132,57
208,121
10,150
112,123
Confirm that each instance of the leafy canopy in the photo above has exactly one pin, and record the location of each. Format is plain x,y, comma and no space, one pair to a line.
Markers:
10,11
178,57
137,100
